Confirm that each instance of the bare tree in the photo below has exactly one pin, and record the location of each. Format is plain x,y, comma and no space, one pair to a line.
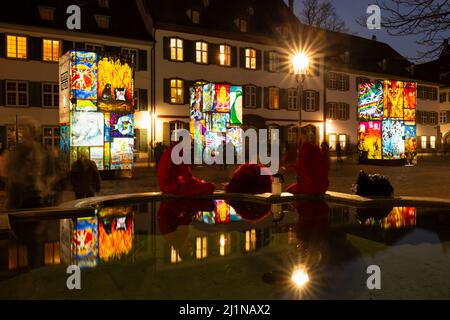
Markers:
321,14
428,19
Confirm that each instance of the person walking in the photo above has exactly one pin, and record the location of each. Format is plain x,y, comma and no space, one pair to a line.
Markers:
84,177
338,152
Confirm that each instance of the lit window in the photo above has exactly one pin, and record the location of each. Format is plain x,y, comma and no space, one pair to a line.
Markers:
195,17
103,3
50,95
50,136
17,257
17,93
225,55
16,47
274,98
52,253
433,142
175,126
292,99
51,50
310,101
176,49
224,244
201,52
93,47
174,255
332,141
46,13
423,142
250,97
176,91
102,21
201,248
443,117
274,62
343,141
250,59
250,240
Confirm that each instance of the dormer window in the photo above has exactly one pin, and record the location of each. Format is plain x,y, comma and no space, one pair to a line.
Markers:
46,13
241,24
103,3
195,16
102,21
251,11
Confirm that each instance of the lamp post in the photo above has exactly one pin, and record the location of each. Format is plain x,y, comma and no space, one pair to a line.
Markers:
300,64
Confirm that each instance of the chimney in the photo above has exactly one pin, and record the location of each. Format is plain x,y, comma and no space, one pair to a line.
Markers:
291,5
374,37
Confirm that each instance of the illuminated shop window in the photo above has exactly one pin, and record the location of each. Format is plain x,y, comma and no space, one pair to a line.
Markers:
423,142
292,99
50,95
250,97
17,93
52,253
17,257
224,244
343,141
250,240
225,55
433,142
250,59
274,98
16,47
201,52
50,136
176,49
174,255
51,50
176,91
332,141
201,251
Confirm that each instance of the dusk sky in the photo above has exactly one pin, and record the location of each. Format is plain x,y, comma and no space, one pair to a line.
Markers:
350,10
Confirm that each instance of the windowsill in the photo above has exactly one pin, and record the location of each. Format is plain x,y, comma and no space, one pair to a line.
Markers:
11,106
249,69
50,61
18,59
180,61
202,63
177,103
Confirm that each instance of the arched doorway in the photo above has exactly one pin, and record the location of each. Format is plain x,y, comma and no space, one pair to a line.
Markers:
446,142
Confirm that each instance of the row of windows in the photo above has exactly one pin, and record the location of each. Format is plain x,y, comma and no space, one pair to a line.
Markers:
427,117
177,49
338,81
17,48
338,111
426,93
177,95
424,140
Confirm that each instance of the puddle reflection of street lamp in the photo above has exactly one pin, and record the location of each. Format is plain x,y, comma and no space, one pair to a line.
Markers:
300,64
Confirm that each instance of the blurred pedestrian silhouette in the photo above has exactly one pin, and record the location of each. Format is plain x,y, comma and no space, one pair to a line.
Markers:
84,177
159,150
54,177
338,152
24,170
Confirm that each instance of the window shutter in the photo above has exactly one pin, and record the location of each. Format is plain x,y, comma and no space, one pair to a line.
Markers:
166,48
258,60
142,60
327,110
2,45
317,100
303,101
426,117
283,98
67,46
79,46
189,51
166,133
166,90
266,97
266,60
316,67
233,56
213,54
418,116
258,97
112,50
448,113
34,91
143,100
242,57
347,111
143,145
35,48
2,93
327,80
187,85
347,82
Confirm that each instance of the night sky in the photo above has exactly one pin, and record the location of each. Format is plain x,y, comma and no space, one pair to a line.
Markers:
350,10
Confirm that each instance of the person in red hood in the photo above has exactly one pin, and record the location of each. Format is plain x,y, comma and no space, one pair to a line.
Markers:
248,179
178,179
312,168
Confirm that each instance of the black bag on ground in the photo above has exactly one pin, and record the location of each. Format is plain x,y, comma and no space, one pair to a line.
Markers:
369,185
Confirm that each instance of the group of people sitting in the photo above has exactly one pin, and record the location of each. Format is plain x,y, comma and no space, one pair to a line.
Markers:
312,174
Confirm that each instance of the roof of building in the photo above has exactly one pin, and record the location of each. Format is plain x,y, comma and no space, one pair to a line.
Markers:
125,20
439,69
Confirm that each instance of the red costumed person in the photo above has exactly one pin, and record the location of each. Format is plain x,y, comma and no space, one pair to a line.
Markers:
312,169
178,179
248,179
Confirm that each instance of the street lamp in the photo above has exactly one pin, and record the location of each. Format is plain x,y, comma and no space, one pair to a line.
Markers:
300,64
